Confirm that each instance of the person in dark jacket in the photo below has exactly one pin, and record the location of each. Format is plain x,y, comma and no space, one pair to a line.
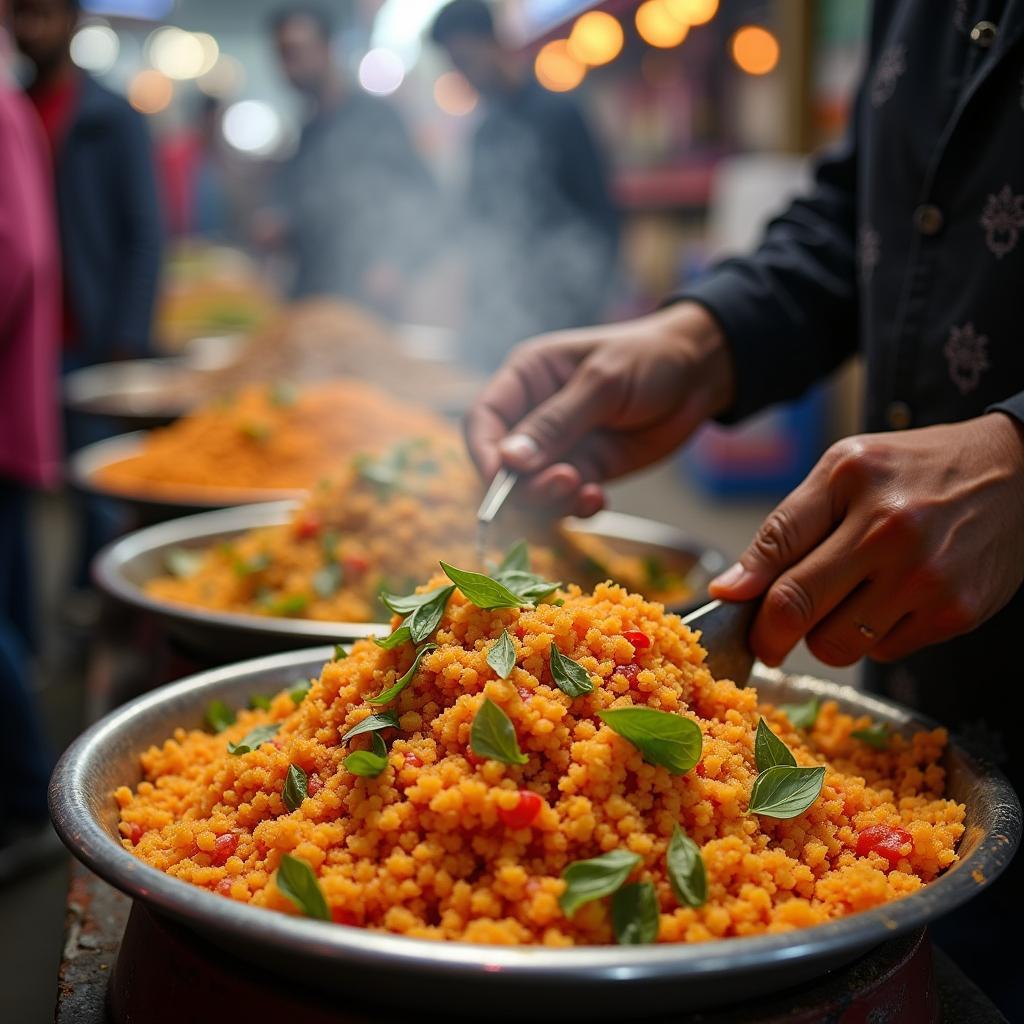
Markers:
905,545
541,227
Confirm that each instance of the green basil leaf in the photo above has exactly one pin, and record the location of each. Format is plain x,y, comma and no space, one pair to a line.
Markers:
402,635
657,575
256,430
569,676
294,791
407,604
587,880
340,654
299,690
292,604
388,695
769,750
502,655
426,618
283,393
492,735
255,738
516,558
329,545
249,566
182,563
219,716
663,737
876,735
686,871
297,882
635,914
372,723
369,764
803,716
260,700
327,580
527,584
483,591
785,791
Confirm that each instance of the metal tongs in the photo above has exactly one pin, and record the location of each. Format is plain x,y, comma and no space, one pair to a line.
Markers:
501,487
725,635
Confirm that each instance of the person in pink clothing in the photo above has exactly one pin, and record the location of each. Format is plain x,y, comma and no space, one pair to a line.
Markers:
29,458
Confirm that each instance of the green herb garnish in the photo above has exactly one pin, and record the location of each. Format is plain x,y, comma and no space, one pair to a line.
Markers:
255,738
260,700
532,588
299,690
219,716
587,880
283,393
340,654
369,764
327,579
769,750
785,791
803,716
297,882
373,723
502,655
182,563
876,735
329,545
254,564
664,738
294,791
256,431
483,591
635,914
569,676
493,735
516,558
388,695
402,635
686,871
426,618
408,603
291,604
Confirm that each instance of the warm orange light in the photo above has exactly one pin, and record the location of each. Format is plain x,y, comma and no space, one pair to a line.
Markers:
657,27
556,68
755,50
596,38
454,95
150,92
692,12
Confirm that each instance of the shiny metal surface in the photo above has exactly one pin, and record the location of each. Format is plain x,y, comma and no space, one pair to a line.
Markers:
724,633
135,392
123,568
593,983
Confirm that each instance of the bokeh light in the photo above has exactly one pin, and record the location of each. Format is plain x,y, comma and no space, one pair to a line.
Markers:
454,95
252,127
95,48
755,50
658,27
224,80
150,91
596,38
179,54
692,12
381,71
211,51
556,68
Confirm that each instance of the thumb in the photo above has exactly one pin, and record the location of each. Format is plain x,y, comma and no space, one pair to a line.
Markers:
799,523
559,422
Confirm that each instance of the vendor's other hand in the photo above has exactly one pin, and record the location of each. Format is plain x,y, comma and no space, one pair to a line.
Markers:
575,408
893,542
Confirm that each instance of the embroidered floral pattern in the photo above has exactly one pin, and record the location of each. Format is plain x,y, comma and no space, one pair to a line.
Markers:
966,354
869,251
1002,219
891,65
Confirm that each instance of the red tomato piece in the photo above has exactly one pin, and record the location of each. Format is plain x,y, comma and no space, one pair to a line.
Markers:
314,784
884,839
307,528
224,887
135,831
412,761
524,693
641,641
630,671
224,846
699,769
355,564
339,915
525,811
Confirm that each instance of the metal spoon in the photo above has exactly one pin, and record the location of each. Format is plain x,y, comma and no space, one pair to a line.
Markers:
725,632
501,487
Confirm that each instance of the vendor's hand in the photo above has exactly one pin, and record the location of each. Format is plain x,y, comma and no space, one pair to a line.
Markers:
578,407
893,542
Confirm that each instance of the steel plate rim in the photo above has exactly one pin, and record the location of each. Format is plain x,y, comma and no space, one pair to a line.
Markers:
91,844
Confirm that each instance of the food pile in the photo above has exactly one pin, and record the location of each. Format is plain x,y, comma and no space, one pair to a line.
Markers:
268,438
527,765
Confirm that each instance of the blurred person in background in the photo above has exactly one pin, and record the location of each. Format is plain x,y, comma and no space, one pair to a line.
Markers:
29,458
108,217
541,229
354,208
904,545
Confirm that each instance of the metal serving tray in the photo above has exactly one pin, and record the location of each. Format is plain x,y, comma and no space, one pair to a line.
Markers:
123,568
591,983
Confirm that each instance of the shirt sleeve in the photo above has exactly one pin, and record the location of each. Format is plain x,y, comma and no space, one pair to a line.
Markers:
1012,406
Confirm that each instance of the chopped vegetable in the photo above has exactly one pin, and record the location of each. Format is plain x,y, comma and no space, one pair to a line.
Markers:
297,882
663,738
524,813
587,880
493,736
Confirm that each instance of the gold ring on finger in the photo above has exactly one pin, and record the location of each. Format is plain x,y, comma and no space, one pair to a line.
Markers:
867,631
